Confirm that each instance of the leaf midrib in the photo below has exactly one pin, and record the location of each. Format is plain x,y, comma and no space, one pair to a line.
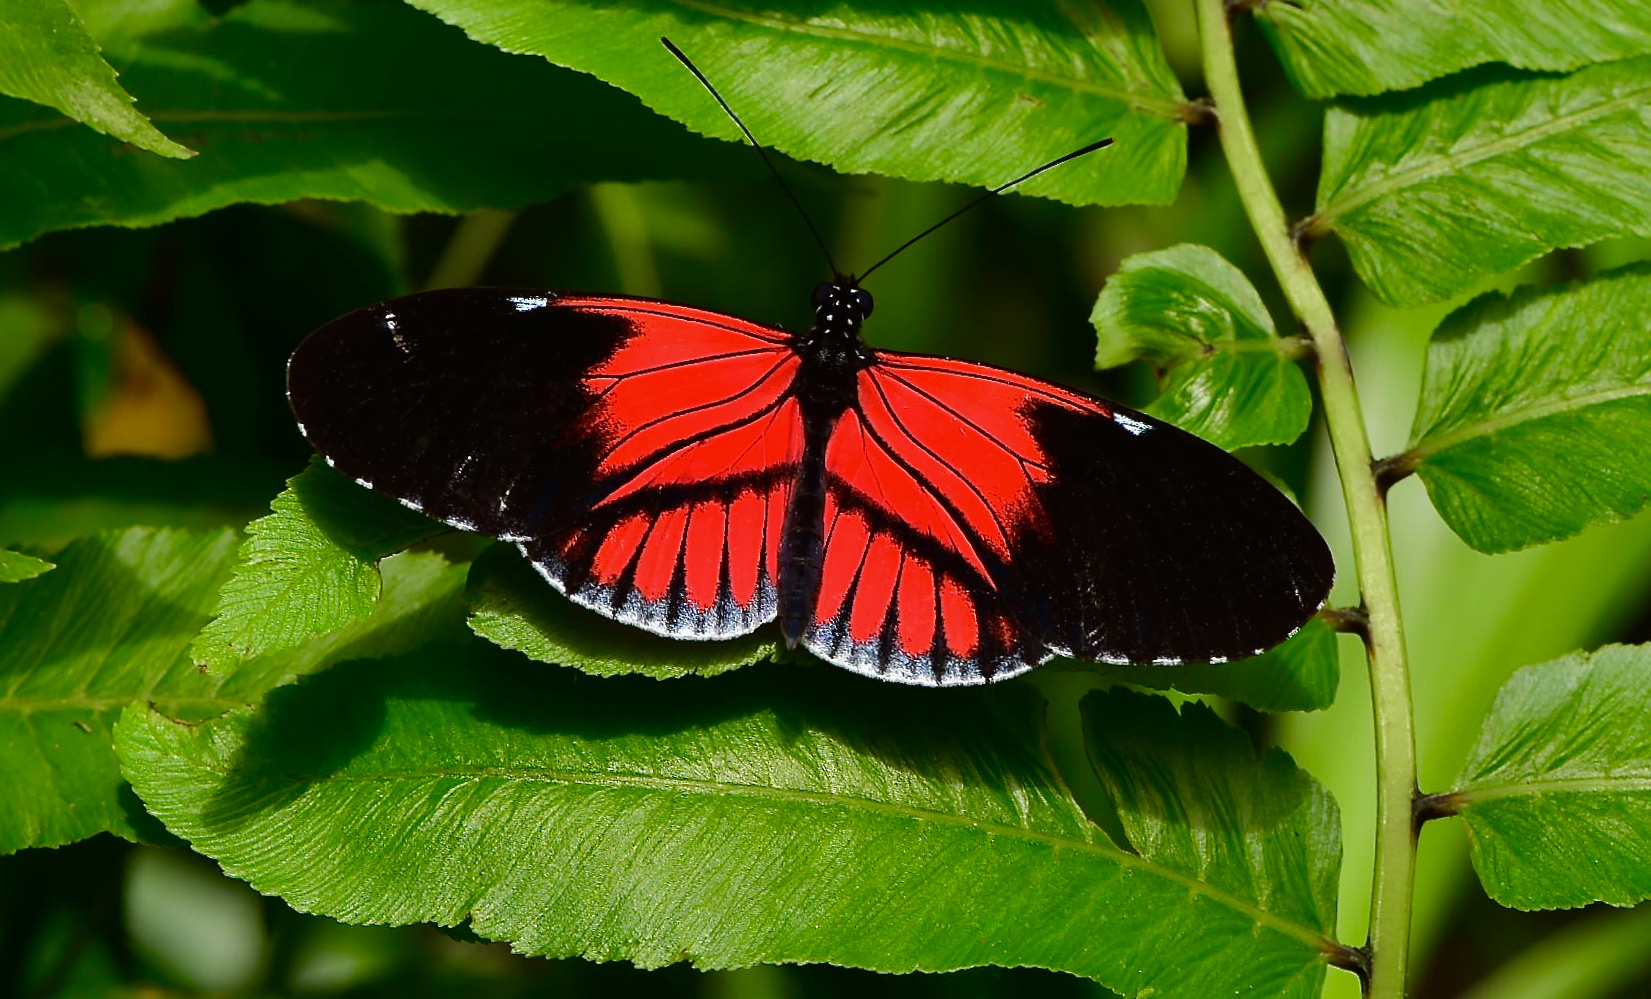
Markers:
1164,108
1571,785
1253,911
1453,162
1443,442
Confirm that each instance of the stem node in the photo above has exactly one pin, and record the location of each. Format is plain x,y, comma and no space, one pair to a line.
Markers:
1428,807
1392,469
1348,621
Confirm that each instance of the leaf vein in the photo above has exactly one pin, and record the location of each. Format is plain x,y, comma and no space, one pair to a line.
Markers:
1434,444
1569,785
1101,848
1169,110
1454,161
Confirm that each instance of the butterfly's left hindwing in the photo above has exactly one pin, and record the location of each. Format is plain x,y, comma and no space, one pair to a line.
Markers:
641,453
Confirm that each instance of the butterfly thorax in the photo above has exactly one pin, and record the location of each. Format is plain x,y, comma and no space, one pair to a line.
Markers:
831,350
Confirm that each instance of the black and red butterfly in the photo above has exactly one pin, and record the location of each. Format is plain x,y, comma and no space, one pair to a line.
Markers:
913,518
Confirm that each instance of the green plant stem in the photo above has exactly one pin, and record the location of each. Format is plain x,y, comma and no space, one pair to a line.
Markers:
1389,942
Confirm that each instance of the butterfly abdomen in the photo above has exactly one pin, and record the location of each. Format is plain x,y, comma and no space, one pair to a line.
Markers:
802,548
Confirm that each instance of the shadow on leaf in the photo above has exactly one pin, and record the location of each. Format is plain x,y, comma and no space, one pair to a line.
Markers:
460,709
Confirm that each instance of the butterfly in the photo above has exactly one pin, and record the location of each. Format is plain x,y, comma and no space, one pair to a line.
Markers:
913,518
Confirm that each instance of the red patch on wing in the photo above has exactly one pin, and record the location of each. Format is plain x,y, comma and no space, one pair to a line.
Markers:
931,481
959,430
698,440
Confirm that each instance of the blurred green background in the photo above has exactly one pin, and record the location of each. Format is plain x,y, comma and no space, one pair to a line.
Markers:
141,382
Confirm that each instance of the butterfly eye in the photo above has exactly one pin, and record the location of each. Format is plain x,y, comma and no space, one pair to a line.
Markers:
862,302
822,294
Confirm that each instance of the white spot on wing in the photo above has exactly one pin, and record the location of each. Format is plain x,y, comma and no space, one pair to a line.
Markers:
528,304
1167,661
1134,426
411,504
395,333
364,483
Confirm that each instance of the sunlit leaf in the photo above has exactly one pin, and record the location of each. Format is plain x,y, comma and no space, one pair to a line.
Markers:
308,568
111,626
762,816
15,566
1227,376
1300,675
289,99
1557,792
1193,796
979,95
513,606
1331,47
422,602
47,57
1535,413
1433,190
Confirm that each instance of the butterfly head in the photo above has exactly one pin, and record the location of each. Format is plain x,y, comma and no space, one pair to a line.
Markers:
840,308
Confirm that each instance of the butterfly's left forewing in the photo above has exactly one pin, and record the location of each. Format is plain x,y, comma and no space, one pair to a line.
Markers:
641,453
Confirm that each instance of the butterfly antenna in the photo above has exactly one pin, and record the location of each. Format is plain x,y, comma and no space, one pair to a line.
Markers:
671,46
1085,151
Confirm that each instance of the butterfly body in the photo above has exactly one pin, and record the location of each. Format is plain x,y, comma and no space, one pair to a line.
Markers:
914,518
830,356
